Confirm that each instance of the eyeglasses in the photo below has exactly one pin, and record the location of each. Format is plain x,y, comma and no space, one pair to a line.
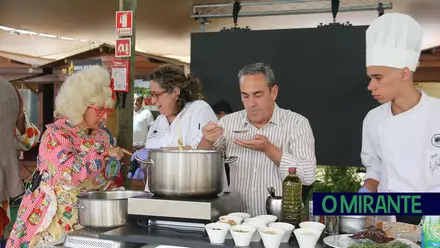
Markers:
157,95
100,112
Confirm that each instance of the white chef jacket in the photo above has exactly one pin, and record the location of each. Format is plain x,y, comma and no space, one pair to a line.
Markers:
194,116
402,152
142,120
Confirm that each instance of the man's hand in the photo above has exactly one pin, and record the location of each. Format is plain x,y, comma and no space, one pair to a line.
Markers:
259,143
212,132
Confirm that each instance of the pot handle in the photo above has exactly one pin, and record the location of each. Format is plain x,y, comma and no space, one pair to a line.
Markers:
149,163
230,160
77,206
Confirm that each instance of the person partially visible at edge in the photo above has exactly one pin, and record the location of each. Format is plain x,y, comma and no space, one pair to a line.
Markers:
26,133
26,136
73,156
183,112
10,180
142,120
401,137
222,108
276,139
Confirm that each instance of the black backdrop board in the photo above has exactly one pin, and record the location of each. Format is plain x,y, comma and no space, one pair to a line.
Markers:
320,73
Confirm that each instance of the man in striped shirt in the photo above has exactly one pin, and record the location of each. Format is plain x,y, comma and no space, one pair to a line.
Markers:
266,139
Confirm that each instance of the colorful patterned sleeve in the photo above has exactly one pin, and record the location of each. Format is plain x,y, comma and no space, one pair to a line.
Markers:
67,165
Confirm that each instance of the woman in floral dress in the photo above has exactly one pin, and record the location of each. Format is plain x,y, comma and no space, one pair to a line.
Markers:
73,157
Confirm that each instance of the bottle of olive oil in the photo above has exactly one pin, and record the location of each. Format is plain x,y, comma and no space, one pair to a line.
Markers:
291,211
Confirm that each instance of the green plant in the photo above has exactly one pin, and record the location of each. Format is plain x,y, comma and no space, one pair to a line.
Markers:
337,179
142,91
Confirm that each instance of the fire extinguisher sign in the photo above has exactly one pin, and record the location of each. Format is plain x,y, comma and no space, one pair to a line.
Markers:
124,23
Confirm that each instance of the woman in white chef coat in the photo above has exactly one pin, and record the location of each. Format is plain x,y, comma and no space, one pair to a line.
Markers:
401,141
182,109
183,112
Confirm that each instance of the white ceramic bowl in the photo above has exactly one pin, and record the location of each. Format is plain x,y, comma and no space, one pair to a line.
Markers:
244,216
228,234
307,237
269,218
286,227
231,219
312,224
261,220
217,232
257,224
242,234
271,236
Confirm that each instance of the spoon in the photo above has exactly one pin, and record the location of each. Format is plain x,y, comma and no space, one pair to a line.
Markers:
271,191
240,131
180,145
179,136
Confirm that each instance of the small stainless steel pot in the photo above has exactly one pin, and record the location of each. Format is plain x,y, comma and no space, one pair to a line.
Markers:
188,173
349,224
104,209
274,206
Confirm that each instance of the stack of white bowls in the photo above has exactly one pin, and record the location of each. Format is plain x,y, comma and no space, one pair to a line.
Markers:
243,230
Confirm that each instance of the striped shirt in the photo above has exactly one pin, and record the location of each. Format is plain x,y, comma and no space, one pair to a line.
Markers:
249,175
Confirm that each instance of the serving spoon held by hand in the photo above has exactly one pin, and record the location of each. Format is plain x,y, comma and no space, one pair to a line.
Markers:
240,131
179,136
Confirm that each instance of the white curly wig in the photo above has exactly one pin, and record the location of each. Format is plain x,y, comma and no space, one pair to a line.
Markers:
82,89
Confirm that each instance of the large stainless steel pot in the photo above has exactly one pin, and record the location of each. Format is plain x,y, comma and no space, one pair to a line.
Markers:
104,209
188,173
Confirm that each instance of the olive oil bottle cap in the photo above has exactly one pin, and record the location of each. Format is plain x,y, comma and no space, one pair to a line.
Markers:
292,170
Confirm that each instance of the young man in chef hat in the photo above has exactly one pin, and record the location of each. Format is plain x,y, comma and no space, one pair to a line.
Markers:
401,138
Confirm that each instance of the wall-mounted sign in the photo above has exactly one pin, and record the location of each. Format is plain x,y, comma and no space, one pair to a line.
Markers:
124,23
81,64
123,48
121,75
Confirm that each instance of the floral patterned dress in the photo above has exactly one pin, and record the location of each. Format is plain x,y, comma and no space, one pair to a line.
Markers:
71,161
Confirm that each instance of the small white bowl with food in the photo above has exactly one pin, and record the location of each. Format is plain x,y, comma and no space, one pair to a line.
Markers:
271,236
254,219
286,227
268,217
231,219
217,232
256,237
244,216
228,234
242,234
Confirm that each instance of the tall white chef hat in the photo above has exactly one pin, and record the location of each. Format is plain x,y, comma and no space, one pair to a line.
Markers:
394,40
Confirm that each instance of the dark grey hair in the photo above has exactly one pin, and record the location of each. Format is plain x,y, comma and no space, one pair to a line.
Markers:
259,68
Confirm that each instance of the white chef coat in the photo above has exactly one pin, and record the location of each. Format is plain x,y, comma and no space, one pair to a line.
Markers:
194,116
402,152
142,120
